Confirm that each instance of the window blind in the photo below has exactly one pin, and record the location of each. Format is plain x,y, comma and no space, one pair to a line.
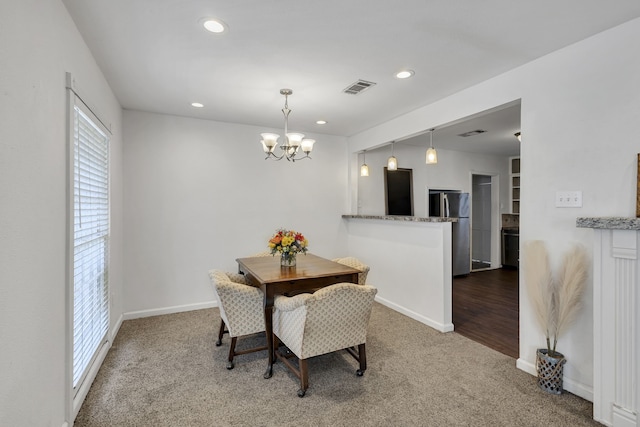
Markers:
90,241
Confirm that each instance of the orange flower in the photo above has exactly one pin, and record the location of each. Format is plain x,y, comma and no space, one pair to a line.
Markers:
276,239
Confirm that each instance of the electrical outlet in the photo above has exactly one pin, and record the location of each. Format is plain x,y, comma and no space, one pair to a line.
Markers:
568,199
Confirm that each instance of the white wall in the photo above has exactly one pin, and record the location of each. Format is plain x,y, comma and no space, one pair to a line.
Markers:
38,44
580,106
452,172
421,288
199,194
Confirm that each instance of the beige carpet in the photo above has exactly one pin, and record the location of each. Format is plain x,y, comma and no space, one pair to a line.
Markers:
166,371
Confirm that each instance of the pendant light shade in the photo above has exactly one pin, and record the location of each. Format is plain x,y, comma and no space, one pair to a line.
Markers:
392,163
364,169
432,155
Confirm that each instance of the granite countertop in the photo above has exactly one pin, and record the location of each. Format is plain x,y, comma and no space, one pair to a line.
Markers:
401,218
611,223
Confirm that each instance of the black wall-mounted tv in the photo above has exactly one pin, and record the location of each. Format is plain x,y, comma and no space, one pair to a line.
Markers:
398,190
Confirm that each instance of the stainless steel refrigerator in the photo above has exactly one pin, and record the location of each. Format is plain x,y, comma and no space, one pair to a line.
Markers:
455,205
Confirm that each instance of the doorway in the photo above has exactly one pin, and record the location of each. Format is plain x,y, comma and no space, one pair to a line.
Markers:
484,221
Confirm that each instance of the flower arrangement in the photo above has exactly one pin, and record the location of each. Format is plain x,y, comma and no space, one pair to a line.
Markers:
288,242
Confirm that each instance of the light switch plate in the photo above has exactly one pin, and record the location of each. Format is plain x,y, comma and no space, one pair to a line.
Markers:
568,199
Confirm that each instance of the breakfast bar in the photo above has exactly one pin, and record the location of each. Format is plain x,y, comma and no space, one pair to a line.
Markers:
414,255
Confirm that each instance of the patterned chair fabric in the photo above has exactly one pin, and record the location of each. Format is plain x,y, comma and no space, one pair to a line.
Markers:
238,278
331,319
263,253
241,305
358,265
241,309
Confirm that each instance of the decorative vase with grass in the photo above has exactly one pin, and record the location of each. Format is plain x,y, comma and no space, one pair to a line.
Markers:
555,302
288,243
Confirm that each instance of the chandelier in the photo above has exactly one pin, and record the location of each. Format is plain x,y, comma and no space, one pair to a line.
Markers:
293,142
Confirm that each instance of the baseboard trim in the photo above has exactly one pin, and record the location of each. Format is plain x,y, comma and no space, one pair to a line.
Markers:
81,394
568,384
116,328
168,310
420,318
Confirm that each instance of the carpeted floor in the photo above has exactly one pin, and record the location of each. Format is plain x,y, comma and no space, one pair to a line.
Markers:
167,371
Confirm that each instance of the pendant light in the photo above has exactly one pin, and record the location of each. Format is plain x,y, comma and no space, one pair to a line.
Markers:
518,135
392,163
364,169
432,156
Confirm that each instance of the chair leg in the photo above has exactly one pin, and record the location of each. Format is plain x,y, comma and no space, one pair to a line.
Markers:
362,358
304,377
220,333
276,344
232,349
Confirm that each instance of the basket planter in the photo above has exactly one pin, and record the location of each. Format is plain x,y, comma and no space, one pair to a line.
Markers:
550,371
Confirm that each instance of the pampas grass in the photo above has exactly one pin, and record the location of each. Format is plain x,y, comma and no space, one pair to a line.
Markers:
537,275
555,302
570,287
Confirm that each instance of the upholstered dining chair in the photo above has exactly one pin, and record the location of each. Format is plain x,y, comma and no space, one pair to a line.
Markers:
241,310
234,277
331,319
263,253
358,265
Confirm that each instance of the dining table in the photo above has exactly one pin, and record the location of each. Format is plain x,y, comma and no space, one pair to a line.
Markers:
310,273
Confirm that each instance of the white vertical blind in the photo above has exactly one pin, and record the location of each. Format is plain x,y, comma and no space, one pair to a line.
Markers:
90,241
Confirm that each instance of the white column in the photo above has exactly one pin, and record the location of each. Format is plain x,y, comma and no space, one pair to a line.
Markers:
616,328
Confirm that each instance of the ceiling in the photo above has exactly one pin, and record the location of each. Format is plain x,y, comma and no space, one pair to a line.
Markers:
157,57
496,135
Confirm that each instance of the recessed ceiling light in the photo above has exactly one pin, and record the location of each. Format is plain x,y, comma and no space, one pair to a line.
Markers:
197,105
404,74
321,122
214,25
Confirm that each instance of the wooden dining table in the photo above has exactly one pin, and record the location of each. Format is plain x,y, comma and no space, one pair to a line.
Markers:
310,273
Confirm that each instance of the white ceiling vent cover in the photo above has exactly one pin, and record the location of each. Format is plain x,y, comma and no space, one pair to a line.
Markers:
358,87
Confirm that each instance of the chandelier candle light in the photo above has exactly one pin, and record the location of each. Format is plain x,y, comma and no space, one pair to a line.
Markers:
293,142
288,243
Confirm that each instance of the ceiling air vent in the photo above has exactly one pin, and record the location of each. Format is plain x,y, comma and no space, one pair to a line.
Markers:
472,132
358,87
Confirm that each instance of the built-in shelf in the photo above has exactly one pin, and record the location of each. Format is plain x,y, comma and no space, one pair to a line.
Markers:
514,184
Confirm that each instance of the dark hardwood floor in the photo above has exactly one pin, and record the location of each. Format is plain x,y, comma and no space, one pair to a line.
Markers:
485,309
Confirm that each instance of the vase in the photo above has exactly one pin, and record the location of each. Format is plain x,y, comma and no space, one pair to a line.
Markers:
288,259
550,371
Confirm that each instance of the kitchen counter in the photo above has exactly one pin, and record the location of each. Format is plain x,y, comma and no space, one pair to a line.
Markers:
401,218
610,223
